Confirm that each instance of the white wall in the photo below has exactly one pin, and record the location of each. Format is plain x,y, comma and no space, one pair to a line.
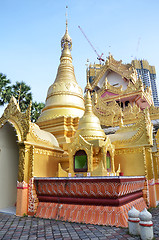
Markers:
9,158
113,78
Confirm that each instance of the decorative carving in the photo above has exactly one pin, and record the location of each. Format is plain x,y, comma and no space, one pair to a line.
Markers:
145,167
111,114
31,162
42,137
22,185
107,112
108,93
131,88
125,70
148,126
154,112
61,171
48,152
32,197
21,162
20,120
140,132
127,150
88,188
111,88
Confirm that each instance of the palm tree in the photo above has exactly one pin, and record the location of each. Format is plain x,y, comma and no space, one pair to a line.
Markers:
5,89
22,93
36,110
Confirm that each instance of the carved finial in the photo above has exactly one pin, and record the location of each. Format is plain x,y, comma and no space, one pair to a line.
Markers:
110,56
13,100
105,83
119,170
140,83
88,86
28,111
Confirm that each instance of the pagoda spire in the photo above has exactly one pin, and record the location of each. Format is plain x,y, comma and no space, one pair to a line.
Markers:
66,41
64,96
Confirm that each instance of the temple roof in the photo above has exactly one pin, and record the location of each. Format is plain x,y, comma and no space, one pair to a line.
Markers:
43,136
137,134
26,130
127,71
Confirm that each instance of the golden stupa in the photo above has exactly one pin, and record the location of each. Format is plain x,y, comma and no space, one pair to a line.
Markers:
65,96
91,143
89,125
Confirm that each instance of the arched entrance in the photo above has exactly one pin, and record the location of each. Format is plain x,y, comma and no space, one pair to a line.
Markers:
9,158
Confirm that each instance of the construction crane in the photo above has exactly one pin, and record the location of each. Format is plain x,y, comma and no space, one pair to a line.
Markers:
99,56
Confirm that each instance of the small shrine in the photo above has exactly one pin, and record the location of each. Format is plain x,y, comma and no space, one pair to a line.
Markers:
91,153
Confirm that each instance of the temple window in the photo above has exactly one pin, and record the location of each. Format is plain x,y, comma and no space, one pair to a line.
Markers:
108,160
91,79
120,104
80,161
126,103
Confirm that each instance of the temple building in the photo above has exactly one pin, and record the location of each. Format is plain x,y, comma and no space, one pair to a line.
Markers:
148,76
87,158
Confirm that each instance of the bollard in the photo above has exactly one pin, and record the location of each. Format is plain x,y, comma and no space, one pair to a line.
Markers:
146,225
133,221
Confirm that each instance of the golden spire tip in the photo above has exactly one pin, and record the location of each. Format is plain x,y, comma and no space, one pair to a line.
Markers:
66,17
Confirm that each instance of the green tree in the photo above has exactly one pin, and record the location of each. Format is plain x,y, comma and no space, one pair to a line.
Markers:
5,89
22,93
36,110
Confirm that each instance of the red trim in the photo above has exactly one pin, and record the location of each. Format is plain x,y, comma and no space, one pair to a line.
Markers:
146,225
135,221
22,187
91,201
92,180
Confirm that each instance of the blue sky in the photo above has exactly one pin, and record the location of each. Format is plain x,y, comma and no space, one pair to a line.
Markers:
31,31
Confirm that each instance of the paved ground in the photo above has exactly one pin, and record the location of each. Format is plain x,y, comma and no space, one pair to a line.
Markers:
12,227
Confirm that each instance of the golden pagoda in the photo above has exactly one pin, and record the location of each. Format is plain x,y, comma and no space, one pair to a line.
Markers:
64,102
91,152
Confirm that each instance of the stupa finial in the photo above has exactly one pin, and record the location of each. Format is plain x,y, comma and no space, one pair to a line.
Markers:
66,41
66,19
88,86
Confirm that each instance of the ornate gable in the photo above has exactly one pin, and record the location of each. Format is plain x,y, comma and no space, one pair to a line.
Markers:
126,71
139,134
20,120
131,88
